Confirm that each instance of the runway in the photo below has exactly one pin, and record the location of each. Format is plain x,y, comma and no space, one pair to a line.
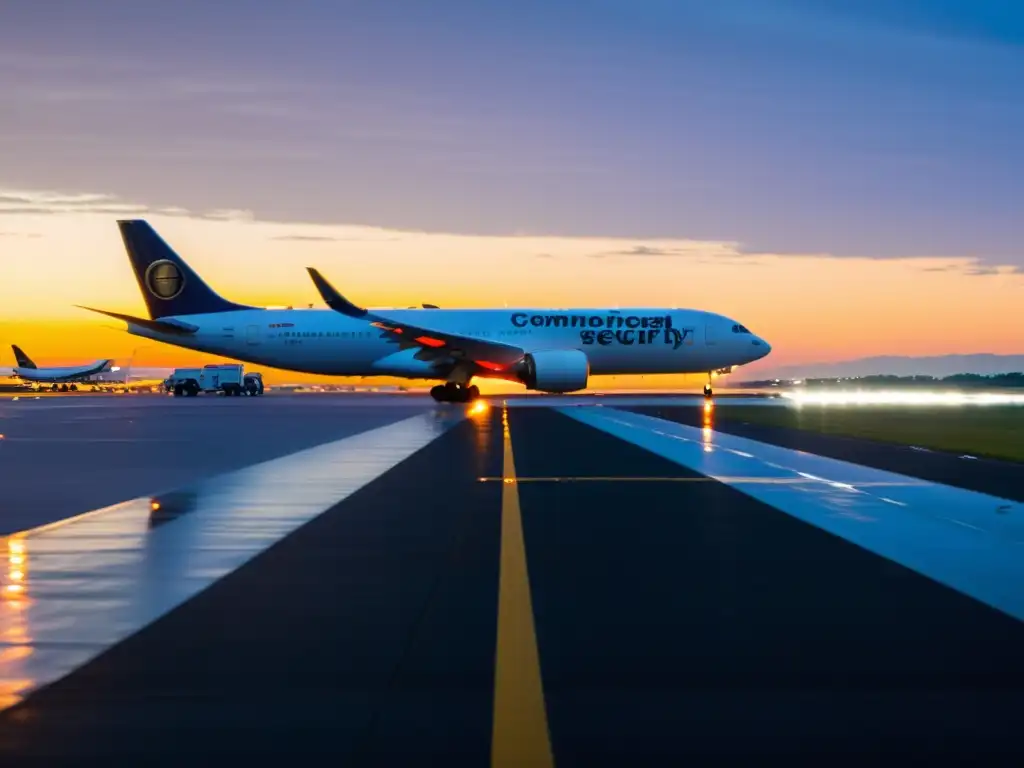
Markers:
383,581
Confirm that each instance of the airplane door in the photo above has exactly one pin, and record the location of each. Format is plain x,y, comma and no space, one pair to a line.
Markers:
711,334
252,335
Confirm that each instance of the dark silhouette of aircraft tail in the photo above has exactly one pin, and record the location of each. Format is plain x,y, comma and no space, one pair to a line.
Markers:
24,361
169,286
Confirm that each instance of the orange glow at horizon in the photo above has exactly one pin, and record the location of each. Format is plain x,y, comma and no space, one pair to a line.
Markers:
811,309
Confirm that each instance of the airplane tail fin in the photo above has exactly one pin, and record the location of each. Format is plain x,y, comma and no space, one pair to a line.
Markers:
24,361
169,286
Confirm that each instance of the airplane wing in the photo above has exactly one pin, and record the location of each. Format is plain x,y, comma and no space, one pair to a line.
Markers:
433,343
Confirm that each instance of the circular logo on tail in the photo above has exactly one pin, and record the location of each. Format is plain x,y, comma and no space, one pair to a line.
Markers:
164,280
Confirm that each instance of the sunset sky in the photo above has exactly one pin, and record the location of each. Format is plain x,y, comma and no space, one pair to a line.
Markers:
845,178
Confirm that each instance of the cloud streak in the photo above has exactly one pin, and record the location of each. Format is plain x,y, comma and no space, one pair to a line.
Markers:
49,203
694,248
52,203
306,238
725,252
973,267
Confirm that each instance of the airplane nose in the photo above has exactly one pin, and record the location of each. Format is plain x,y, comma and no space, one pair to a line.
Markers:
763,347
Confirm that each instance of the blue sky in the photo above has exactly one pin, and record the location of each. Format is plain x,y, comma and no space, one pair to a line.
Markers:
870,128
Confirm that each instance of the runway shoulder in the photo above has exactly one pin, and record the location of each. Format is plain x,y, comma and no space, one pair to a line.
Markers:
990,476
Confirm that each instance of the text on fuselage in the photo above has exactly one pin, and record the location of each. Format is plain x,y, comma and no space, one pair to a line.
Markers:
612,328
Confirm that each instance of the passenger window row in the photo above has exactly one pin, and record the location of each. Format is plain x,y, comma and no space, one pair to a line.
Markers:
334,334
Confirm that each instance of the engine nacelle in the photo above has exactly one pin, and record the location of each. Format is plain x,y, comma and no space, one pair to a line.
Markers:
556,370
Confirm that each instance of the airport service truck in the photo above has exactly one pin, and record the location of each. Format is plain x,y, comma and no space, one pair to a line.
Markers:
229,378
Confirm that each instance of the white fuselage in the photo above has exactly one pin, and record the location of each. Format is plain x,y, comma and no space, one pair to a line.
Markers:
62,375
621,341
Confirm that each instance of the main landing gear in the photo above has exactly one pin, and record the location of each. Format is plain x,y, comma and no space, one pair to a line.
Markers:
708,394
454,393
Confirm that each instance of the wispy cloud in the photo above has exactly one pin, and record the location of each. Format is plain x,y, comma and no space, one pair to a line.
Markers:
733,253
981,270
648,251
638,250
686,248
297,238
974,267
20,202
44,202
306,238
226,214
113,210
36,203
50,198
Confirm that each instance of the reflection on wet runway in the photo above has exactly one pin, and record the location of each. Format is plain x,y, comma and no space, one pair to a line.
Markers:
15,638
99,577
170,506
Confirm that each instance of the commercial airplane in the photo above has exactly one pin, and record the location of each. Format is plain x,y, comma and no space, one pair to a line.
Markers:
548,350
28,371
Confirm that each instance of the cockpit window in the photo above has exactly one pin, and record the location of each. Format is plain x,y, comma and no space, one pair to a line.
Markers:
739,329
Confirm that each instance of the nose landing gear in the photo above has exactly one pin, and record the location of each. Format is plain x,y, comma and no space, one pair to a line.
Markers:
708,394
455,393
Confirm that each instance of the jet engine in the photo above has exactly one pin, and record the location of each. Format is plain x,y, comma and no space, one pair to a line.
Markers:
561,370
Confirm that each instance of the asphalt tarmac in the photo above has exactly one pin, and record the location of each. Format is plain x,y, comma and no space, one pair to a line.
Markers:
67,454
382,581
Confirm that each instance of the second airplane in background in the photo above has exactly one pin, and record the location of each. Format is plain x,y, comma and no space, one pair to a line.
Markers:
63,378
547,350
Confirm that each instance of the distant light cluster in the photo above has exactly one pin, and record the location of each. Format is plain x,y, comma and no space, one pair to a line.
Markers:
895,397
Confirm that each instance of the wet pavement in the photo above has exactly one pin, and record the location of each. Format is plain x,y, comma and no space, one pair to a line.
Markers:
510,586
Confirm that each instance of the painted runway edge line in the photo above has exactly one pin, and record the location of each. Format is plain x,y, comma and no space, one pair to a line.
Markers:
74,589
923,526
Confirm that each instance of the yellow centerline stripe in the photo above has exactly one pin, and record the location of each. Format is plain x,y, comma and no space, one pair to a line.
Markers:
520,734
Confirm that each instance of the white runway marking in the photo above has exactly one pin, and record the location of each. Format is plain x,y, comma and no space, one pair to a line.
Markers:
969,541
74,588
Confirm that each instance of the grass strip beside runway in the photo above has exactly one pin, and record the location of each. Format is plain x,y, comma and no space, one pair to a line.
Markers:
989,431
